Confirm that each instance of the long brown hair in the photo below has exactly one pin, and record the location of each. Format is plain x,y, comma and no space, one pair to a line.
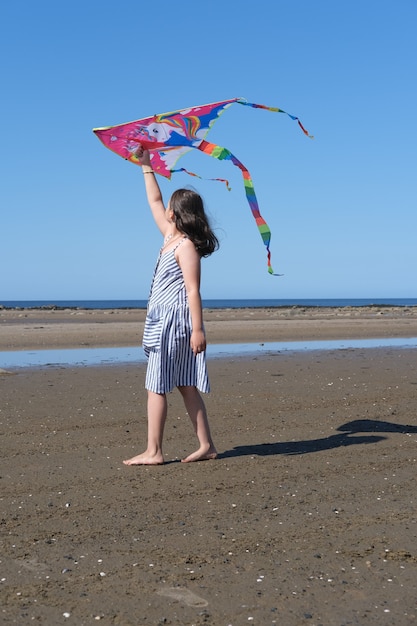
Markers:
191,219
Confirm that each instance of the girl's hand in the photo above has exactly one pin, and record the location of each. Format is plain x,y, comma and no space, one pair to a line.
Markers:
198,341
143,155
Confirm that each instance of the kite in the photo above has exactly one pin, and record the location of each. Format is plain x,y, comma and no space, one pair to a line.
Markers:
168,136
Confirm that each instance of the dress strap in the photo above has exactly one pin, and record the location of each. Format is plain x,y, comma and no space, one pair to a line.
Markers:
179,243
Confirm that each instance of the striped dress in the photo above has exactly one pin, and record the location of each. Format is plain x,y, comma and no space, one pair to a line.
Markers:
167,333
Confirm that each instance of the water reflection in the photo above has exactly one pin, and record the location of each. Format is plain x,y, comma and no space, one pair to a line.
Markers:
113,356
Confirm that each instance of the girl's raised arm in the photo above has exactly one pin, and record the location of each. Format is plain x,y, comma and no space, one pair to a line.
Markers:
153,191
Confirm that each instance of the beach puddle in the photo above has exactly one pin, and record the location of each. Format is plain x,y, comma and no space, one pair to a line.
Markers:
115,356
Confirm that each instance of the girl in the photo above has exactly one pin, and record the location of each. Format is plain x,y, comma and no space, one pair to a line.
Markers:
174,340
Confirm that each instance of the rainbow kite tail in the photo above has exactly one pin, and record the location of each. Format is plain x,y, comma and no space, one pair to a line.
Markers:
274,110
223,154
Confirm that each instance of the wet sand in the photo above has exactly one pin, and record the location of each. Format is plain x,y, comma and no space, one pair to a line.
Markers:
309,515
76,328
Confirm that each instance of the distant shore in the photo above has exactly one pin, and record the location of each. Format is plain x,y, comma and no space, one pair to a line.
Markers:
56,327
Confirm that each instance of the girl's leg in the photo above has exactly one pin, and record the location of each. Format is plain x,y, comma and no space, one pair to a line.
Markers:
197,411
157,413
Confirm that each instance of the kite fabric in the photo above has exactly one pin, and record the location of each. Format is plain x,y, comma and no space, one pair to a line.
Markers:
168,136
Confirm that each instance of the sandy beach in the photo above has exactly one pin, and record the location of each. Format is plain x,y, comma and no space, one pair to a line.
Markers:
76,328
309,515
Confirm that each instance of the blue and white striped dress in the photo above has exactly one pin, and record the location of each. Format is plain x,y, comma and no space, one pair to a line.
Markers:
167,333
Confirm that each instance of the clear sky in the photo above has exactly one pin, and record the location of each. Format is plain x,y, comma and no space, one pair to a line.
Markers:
74,222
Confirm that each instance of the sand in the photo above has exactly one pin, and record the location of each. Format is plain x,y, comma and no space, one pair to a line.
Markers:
76,328
308,516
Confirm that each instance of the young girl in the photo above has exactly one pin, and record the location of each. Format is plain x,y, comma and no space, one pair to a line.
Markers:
174,340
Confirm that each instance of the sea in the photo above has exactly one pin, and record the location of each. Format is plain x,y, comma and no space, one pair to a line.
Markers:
211,304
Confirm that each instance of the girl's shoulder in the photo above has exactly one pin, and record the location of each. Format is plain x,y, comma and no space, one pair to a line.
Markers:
186,244
186,249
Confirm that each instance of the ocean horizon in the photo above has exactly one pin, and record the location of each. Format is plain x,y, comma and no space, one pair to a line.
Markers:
232,303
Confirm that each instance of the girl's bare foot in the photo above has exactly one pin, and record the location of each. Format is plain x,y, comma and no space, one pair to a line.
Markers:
145,459
202,454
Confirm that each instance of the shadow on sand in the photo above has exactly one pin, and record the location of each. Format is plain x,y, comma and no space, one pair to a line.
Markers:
348,437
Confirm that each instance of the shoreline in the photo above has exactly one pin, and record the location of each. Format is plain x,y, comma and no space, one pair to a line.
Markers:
47,328
13,362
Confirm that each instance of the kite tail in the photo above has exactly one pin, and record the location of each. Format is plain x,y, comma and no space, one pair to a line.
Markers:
220,180
275,110
223,154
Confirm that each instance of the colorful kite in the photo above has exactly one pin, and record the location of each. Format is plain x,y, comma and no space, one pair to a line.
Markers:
168,136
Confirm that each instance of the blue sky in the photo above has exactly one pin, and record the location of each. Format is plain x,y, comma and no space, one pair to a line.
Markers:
342,208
